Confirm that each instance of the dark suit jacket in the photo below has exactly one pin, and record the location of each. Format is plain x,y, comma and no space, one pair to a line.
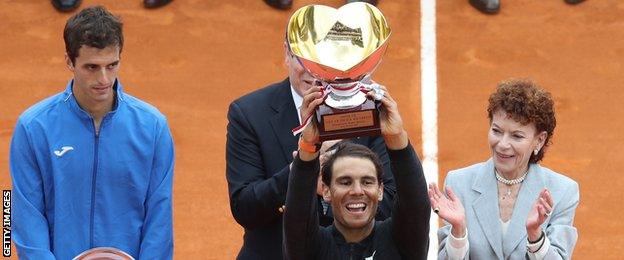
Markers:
258,152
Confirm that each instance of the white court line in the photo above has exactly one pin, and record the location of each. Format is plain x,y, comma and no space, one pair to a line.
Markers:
429,96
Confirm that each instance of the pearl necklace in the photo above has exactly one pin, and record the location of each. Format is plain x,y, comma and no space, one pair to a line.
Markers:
509,183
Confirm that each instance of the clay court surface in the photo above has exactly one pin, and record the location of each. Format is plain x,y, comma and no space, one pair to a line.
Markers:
192,58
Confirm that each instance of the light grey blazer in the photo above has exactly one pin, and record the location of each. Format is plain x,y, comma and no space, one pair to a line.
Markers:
477,189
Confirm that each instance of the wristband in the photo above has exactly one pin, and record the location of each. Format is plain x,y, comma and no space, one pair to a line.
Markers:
309,147
538,239
541,238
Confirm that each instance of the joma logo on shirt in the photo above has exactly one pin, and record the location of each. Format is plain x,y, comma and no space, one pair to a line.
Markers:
63,150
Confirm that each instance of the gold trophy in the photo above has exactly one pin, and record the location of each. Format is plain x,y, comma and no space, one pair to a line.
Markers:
341,48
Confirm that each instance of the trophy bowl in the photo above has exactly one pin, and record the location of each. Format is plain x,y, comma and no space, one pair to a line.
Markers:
341,48
103,253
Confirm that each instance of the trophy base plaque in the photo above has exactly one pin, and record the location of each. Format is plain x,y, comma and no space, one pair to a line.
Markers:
335,123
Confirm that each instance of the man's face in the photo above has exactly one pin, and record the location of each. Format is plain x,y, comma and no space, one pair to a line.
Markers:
299,77
354,193
95,71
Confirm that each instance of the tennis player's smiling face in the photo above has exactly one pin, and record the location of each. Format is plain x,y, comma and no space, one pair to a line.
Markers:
354,193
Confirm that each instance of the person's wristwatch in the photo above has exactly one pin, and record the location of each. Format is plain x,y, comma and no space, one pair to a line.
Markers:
309,147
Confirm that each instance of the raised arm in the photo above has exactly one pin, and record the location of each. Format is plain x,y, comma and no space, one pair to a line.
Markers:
411,212
412,209
560,235
453,238
301,224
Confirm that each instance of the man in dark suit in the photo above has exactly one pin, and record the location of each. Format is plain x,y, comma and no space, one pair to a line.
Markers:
259,154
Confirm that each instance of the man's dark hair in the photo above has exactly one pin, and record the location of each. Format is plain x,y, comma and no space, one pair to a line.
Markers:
349,149
94,27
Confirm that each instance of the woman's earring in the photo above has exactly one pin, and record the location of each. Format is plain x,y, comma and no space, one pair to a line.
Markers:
536,151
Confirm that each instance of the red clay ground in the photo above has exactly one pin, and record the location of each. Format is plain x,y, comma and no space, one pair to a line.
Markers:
192,58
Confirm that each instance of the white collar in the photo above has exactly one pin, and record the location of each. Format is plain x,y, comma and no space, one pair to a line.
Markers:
298,100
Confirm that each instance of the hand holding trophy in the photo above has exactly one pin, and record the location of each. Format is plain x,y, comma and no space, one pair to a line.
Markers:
341,49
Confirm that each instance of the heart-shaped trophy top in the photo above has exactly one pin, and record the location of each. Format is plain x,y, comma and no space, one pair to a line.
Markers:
338,45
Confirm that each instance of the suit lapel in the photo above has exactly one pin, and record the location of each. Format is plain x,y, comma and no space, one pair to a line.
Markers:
284,119
529,191
486,207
